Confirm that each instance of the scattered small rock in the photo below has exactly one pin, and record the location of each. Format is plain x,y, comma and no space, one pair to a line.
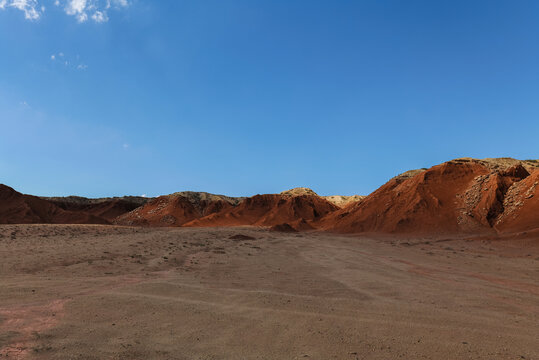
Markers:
283,228
241,237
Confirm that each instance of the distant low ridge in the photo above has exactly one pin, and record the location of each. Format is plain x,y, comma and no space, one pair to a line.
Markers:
198,197
299,191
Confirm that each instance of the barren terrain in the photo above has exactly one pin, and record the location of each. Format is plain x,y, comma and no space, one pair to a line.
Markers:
104,292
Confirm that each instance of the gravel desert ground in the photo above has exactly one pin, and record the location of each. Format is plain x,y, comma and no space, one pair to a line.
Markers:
104,292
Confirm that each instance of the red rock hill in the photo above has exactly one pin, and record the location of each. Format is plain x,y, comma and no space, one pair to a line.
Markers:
459,196
297,210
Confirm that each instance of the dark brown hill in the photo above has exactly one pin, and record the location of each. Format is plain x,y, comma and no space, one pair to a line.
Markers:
106,208
17,208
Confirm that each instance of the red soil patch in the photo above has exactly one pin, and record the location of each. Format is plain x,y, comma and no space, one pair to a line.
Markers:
24,322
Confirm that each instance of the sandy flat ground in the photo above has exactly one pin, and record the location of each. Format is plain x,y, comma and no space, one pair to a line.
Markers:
98,292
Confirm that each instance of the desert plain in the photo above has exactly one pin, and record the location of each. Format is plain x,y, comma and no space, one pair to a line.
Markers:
114,292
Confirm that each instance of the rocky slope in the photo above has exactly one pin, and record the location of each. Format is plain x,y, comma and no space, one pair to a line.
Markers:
343,200
521,205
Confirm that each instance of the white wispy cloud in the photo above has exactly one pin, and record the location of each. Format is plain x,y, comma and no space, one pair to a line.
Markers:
82,10
77,8
31,8
100,16
96,10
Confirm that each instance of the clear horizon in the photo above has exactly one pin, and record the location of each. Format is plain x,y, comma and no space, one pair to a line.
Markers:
113,98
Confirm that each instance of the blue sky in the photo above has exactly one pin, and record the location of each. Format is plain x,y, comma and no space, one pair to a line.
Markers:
103,98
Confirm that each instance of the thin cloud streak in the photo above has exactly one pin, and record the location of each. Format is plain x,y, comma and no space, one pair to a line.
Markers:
81,10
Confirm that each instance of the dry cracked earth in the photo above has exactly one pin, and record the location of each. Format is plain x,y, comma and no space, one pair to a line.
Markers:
102,292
